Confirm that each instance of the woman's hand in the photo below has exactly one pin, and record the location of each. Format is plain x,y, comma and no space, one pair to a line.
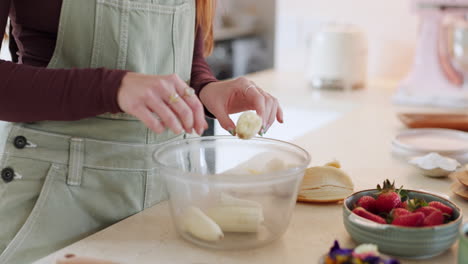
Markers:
234,96
171,99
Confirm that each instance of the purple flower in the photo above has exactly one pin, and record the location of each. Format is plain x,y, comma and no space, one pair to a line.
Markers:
391,261
336,250
372,260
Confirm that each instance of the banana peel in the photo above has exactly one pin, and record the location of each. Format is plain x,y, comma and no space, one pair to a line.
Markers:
325,184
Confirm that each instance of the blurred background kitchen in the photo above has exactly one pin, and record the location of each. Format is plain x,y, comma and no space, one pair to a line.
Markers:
267,33
261,34
256,35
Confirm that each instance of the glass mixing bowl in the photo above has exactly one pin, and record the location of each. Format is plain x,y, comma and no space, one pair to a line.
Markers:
228,193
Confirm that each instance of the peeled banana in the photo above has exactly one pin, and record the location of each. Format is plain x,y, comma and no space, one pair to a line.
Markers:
245,219
248,125
200,225
229,200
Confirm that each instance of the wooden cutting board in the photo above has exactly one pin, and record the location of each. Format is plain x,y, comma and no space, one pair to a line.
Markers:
431,120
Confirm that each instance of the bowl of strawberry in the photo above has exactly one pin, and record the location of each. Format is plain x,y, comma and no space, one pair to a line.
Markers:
402,223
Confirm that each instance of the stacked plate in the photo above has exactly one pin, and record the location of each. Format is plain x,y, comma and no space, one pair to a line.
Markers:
421,141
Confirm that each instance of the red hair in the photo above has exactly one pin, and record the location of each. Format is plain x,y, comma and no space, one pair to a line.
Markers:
205,17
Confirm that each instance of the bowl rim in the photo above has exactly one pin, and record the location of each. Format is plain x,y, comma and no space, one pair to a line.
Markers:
458,219
261,177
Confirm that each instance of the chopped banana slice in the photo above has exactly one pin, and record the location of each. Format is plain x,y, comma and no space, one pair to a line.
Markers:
200,225
275,164
237,218
248,125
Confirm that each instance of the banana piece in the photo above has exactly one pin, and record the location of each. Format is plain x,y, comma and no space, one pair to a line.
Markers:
242,219
254,172
248,125
200,225
229,200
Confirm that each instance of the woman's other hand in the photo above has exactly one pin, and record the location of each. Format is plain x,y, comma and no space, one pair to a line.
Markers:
175,104
234,96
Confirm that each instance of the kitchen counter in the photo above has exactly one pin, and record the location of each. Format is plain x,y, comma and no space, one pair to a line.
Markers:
360,138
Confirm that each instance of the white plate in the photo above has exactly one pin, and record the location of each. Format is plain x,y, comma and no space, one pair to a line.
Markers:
446,142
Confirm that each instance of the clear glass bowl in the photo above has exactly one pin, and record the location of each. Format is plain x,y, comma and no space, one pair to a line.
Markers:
248,188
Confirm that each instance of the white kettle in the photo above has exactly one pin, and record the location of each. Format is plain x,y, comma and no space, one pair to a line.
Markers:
337,58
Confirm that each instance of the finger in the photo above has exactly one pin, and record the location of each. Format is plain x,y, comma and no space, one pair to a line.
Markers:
269,104
274,110
270,109
148,118
226,122
183,112
257,100
168,118
200,123
188,94
279,114
192,101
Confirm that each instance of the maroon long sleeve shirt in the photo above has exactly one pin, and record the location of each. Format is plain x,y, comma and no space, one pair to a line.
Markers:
30,92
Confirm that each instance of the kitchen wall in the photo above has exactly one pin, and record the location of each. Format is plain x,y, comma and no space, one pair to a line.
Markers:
265,10
249,31
390,27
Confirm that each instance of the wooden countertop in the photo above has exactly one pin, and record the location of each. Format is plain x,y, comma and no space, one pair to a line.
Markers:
360,139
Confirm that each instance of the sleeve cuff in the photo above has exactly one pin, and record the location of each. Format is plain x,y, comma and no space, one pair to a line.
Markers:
208,114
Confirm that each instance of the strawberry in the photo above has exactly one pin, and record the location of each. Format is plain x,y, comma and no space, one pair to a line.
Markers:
367,202
368,215
426,210
397,212
413,220
404,205
442,207
415,203
388,198
433,219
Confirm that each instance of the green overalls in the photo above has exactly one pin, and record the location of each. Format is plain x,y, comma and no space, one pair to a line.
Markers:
62,181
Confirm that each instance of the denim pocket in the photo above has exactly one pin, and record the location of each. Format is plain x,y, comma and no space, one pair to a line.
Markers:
137,36
21,203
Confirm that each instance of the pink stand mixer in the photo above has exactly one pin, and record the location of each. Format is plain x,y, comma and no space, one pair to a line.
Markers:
439,76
